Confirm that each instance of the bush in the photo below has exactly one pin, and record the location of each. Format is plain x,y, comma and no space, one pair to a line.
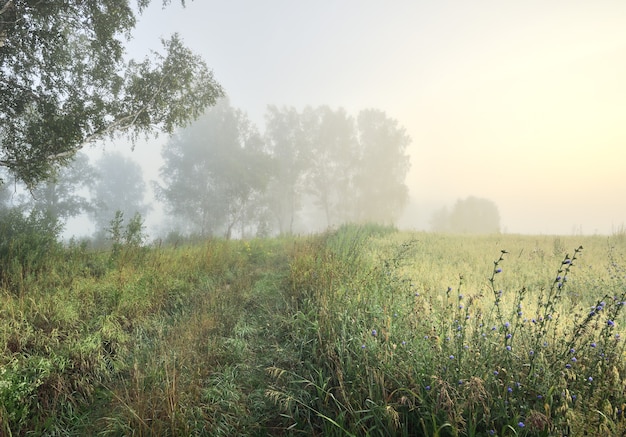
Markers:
27,244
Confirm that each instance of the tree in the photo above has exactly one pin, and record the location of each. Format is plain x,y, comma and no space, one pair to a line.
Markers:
285,142
215,172
119,187
380,189
332,145
64,82
472,215
344,171
58,196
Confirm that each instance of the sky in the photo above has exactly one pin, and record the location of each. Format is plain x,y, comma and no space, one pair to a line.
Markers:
522,103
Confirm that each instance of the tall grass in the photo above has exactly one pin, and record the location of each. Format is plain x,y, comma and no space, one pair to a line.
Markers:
389,351
360,331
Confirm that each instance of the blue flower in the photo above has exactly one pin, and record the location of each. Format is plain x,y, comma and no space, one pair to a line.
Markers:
610,323
509,389
508,347
521,424
572,350
593,344
498,270
574,359
451,357
568,366
507,324
427,387
509,335
374,333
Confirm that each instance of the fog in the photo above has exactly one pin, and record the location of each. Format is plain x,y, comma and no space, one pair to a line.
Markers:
521,103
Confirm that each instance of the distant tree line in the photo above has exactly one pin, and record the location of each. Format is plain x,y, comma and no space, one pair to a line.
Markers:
472,215
311,169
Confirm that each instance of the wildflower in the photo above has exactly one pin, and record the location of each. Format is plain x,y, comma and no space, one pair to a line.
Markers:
427,387
593,344
451,357
610,323
509,389
568,366
574,359
539,397
460,296
449,289
374,333
362,346
531,352
590,379
495,372
492,432
507,324
403,343
498,270
508,347
572,350
509,335
521,424
573,397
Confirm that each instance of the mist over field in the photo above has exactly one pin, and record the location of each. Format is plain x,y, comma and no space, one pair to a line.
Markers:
521,104
320,218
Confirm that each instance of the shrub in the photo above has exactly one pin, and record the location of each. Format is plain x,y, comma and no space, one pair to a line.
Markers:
27,246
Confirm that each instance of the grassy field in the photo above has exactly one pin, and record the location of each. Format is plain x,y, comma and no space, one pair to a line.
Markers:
359,331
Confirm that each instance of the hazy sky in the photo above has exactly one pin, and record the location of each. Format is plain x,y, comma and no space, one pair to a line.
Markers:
523,102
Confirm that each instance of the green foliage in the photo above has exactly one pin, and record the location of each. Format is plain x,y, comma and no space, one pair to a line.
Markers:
26,246
65,82
356,331
386,353
126,238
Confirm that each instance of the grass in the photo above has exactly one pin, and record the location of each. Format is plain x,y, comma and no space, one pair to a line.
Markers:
360,331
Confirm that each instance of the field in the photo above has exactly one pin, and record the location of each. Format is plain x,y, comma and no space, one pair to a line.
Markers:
360,331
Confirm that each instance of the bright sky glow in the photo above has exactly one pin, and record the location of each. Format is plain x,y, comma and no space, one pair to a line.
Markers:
523,103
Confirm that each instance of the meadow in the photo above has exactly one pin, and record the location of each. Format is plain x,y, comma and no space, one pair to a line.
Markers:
364,330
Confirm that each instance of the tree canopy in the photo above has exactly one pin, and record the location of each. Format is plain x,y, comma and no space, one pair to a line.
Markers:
65,82
310,170
215,172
